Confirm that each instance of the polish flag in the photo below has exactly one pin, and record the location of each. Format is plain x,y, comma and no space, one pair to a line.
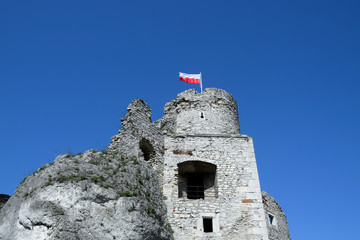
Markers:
190,78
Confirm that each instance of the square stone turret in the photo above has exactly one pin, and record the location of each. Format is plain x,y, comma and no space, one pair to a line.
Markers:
210,180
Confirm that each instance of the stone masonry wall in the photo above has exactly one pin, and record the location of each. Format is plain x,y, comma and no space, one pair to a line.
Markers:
203,129
275,219
237,212
139,136
213,111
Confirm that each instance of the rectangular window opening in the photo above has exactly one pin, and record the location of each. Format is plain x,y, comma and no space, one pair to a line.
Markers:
271,219
208,225
195,187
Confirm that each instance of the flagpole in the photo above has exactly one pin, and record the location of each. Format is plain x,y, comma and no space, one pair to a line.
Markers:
201,82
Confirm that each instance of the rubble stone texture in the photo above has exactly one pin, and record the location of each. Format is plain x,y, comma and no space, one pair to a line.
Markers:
276,219
189,175
204,133
139,136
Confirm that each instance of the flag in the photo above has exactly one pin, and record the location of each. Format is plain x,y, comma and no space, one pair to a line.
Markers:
190,78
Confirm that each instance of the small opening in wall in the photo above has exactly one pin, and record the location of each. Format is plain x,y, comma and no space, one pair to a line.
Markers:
147,149
271,219
208,225
202,115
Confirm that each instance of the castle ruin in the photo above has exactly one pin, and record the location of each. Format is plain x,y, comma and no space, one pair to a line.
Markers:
189,175
207,168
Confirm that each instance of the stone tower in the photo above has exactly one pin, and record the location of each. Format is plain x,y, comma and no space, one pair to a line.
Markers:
206,168
210,181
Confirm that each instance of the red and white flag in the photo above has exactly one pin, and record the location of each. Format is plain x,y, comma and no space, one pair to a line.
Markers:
190,78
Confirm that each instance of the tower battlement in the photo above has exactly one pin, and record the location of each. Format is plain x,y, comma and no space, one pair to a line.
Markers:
212,111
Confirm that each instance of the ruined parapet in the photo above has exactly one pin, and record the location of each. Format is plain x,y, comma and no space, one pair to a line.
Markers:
275,219
212,112
139,136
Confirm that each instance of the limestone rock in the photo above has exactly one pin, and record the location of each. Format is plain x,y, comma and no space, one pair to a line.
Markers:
95,195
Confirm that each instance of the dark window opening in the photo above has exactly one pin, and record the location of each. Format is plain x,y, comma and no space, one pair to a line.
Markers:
202,115
197,180
271,219
195,186
207,224
147,149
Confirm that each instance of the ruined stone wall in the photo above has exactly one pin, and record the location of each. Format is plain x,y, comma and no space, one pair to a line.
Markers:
275,219
139,136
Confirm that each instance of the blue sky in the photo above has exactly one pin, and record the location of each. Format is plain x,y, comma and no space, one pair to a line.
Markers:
68,70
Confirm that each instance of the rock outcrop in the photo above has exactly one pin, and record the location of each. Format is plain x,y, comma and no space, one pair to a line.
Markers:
95,195
109,194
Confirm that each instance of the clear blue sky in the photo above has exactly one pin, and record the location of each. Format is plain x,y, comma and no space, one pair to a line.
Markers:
68,70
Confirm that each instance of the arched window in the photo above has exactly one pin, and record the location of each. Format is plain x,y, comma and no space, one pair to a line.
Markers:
147,149
197,180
